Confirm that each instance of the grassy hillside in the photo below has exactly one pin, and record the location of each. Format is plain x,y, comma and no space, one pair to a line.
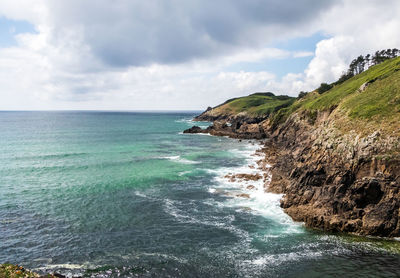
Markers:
375,75
255,105
378,104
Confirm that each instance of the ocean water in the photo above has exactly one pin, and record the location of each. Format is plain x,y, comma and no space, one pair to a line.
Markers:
104,194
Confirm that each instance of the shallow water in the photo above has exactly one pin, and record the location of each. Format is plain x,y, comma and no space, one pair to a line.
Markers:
127,194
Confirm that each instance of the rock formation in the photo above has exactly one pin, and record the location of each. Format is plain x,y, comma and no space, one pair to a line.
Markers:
335,157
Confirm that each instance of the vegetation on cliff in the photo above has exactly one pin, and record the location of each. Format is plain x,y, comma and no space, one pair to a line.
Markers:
16,271
372,95
255,105
335,152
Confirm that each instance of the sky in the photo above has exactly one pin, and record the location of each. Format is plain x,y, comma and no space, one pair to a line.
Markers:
179,54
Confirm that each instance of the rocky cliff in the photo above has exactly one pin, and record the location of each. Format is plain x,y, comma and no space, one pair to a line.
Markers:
337,181
335,156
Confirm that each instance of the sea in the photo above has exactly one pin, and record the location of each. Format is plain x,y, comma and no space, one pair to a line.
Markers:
127,194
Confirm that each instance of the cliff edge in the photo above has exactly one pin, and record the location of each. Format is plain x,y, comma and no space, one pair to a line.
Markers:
335,155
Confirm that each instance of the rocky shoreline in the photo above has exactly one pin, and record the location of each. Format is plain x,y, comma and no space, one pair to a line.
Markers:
331,180
17,271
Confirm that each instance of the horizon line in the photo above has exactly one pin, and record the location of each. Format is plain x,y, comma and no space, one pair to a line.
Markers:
100,110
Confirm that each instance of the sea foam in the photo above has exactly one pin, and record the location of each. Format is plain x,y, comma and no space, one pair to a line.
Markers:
251,195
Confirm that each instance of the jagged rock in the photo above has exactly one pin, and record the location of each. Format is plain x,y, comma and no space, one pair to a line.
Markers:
330,180
336,182
248,177
363,87
194,129
243,195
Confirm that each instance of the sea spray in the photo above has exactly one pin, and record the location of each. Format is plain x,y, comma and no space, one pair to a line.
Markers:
252,195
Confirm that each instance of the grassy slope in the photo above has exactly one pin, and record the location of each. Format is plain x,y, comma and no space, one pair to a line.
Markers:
376,107
337,94
255,105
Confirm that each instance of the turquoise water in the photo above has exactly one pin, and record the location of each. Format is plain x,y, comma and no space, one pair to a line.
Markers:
128,195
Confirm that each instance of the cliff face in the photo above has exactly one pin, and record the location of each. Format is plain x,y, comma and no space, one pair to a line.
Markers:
336,156
332,180
337,181
241,127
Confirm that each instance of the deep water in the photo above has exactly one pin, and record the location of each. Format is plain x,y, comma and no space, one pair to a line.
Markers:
107,194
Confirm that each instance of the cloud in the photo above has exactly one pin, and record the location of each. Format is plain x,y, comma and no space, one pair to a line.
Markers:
136,33
103,54
355,28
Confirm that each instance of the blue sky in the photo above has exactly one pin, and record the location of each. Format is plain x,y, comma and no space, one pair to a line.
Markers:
9,28
282,66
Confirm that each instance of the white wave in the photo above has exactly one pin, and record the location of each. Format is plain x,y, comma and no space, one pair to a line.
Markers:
140,194
225,223
66,266
184,173
203,134
251,194
190,122
277,259
179,159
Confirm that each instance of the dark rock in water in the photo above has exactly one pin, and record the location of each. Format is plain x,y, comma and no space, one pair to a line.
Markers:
243,195
58,275
194,129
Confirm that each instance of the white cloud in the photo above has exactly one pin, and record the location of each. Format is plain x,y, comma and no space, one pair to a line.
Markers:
63,66
34,11
356,28
301,54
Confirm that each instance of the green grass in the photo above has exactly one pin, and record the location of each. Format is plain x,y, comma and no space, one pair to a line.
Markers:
377,106
380,101
338,93
256,105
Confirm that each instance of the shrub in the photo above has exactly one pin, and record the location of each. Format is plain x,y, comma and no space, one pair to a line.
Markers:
324,87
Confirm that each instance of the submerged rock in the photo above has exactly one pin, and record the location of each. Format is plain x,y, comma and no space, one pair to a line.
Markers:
243,195
194,129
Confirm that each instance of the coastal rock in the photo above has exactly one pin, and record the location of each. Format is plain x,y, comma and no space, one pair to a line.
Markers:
249,177
336,182
245,177
243,195
194,129
331,180
10,270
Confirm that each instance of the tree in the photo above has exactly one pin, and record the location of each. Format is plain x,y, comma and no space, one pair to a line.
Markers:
324,87
302,94
368,60
361,64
